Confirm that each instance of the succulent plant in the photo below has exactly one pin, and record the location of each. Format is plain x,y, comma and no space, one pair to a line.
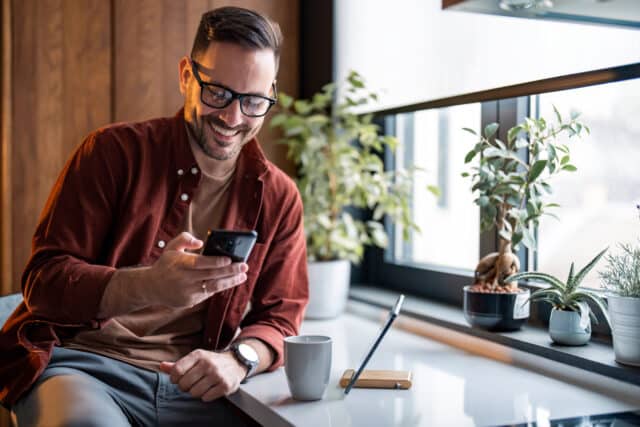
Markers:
567,295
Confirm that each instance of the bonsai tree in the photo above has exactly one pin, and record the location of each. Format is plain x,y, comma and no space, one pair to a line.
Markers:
566,295
338,153
511,188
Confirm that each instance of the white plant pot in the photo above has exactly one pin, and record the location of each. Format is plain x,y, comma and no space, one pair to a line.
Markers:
565,328
328,288
625,322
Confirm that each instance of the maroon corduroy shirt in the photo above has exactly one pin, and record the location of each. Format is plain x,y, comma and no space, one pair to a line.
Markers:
124,194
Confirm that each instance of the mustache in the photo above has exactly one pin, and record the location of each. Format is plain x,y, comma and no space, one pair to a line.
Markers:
219,123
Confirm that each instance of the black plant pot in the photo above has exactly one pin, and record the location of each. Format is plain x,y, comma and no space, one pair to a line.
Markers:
494,311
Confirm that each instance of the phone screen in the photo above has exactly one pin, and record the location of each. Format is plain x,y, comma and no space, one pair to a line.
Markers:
236,245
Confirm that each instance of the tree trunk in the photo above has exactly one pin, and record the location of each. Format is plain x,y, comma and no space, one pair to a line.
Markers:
495,267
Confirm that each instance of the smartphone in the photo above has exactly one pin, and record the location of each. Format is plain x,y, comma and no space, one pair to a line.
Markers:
236,245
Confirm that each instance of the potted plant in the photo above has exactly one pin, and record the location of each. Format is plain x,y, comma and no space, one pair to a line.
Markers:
570,322
621,278
511,189
341,173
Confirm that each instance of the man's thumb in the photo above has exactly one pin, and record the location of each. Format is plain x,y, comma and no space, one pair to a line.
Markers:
184,241
166,367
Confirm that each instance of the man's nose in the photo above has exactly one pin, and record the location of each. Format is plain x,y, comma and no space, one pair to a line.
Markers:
231,115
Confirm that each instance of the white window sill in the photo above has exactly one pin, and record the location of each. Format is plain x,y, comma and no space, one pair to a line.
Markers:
595,357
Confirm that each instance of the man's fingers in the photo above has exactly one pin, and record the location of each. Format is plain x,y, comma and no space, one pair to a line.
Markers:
220,284
213,274
192,377
214,393
203,261
184,241
166,367
201,387
183,365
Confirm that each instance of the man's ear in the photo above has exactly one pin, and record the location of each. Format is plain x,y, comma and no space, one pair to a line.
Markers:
184,74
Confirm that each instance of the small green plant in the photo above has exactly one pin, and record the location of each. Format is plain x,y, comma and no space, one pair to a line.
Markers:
511,187
338,153
622,273
567,295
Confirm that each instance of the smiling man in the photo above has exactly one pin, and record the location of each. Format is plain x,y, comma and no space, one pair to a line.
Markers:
124,322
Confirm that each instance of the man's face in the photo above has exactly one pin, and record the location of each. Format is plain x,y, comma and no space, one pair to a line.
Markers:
221,133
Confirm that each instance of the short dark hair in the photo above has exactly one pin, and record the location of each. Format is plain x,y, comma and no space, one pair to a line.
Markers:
237,25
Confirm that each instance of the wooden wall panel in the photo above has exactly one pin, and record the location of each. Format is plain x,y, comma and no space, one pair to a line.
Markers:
152,36
62,88
5,151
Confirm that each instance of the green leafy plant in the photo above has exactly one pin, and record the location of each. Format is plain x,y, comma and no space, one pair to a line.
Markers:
566,295
338,153
622,272
511,187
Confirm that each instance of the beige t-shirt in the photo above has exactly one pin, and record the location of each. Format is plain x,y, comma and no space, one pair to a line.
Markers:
157,333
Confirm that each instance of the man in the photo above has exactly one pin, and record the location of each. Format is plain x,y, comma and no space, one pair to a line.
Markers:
123,321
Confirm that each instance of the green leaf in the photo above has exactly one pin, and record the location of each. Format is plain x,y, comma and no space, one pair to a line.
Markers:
528,239
490,130
355,80
471,131
597,301
569,168
537,169
433,190
550,295
552,152
285,100
555,110
470,155
570,277
543,277
278,120
582,273
513,133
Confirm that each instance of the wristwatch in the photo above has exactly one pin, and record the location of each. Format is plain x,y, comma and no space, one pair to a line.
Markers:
246,355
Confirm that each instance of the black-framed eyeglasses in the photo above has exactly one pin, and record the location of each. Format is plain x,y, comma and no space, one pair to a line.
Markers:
218,96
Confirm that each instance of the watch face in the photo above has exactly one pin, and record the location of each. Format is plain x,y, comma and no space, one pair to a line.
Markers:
248,352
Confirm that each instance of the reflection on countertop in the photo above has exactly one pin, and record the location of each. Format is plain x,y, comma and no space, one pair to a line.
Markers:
451,387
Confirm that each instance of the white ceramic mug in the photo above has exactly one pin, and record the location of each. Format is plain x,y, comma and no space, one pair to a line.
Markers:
307,363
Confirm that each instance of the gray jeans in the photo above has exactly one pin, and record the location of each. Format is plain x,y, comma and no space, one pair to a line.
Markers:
79,388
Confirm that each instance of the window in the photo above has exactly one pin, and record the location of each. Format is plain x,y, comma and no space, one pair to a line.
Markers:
598,201
434,141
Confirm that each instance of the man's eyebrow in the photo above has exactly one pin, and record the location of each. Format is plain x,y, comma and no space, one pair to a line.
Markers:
217,83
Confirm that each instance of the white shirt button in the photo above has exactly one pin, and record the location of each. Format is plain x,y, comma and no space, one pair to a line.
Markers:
194,171
161,243
184,197
180,172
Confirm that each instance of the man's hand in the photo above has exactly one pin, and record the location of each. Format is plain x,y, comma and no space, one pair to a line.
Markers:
205,374
183,279
177,279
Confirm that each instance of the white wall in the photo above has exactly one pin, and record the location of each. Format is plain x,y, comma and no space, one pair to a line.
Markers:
413,51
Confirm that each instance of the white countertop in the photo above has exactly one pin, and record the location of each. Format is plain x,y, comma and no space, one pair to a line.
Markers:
451,387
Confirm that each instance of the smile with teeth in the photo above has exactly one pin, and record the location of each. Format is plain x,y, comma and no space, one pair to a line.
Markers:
224,132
